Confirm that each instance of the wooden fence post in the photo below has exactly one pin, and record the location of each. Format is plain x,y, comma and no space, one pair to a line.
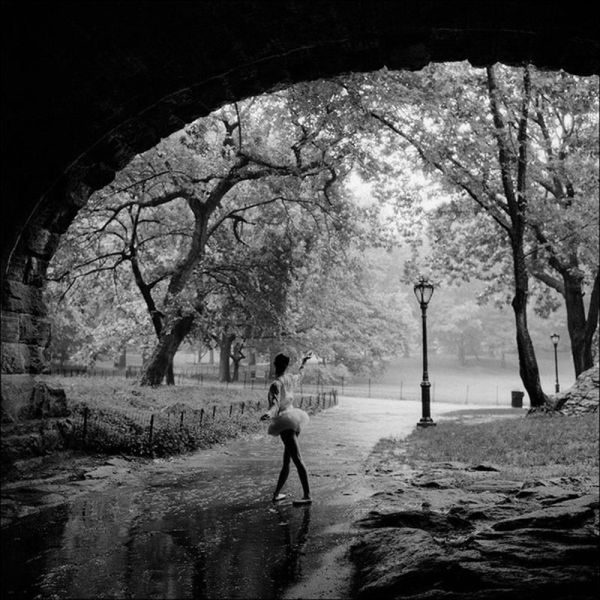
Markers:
181,421
214,411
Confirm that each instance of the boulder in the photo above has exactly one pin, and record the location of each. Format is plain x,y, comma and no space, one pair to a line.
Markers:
583,397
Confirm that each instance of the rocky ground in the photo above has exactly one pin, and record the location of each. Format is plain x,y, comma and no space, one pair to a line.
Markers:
459,531
43,483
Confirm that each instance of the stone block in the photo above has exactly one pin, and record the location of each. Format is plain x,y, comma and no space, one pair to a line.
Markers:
22,298
14,358
35,272
23,358
16,392
10,327
46,401
34,330
17,266
42,242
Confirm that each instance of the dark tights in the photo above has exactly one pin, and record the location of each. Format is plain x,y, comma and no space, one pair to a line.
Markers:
292,451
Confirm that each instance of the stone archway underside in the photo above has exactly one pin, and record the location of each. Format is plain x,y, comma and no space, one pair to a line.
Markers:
86,87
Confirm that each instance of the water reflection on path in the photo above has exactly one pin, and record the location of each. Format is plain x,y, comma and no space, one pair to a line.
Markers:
202,526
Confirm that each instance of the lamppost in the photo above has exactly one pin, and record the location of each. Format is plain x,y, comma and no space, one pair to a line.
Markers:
423,291
555,337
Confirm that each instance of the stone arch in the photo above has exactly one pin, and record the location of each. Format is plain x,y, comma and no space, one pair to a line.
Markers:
121,78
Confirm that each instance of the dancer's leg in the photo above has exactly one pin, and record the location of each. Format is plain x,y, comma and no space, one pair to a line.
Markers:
285,471
290,439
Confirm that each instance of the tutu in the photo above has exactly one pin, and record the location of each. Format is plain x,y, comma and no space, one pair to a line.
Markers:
292,418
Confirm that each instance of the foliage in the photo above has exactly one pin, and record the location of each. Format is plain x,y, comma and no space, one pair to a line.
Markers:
216,222
455,118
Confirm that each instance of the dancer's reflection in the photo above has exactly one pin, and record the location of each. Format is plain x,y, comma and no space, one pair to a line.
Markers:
290,568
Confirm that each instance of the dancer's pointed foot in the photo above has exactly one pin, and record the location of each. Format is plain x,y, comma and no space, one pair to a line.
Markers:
279,497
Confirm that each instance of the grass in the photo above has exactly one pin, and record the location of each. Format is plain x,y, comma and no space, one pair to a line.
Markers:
119,394
541,446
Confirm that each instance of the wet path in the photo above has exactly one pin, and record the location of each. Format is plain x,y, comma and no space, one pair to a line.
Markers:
202,526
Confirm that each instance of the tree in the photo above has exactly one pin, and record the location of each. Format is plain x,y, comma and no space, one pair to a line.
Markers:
161,214
561,234
473,128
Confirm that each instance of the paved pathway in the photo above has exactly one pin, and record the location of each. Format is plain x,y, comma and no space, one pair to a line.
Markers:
203,526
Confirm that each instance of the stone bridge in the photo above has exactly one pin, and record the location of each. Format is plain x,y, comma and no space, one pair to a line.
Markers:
86,86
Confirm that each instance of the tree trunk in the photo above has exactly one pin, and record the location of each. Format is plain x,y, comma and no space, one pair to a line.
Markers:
528,367
237,357
161,359
516,207
224,356
575,318
581,329
592,324
170,375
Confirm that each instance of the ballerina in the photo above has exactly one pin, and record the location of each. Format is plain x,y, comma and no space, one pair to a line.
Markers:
287,421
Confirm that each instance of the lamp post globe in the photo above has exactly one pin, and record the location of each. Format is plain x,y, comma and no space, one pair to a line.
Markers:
555,337
423,290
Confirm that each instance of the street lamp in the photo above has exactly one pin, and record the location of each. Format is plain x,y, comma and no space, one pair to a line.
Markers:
555,337
423,291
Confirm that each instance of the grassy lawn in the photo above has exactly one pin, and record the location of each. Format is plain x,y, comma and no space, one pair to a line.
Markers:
119,394
521,447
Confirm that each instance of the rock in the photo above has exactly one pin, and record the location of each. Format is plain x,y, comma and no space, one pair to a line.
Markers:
390,560
497,486
46,402
531,563
582,398
563,515
427,520
484,512
547,494
534,547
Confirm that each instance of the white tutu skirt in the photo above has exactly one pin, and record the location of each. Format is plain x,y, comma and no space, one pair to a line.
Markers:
292,418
